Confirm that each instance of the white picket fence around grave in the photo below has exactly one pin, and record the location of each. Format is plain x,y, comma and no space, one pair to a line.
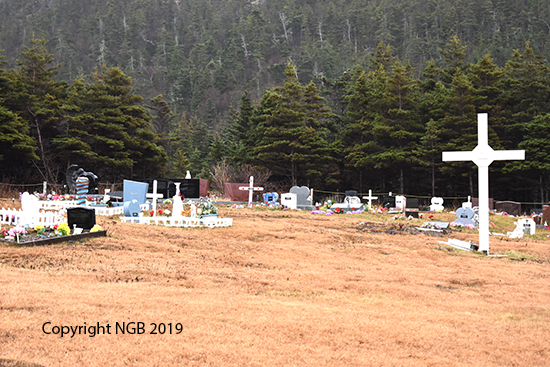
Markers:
115,210
210,222
99,210
56,204
15,216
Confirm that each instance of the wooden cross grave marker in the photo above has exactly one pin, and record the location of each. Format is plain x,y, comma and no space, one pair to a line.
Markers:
370,198
483,155
251,188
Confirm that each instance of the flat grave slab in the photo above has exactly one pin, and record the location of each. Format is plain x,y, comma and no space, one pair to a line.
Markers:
37,241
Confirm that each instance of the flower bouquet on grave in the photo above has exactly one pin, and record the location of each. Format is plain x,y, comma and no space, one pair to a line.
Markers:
16,233
4,232
61,229
40,229
96,228
458,225
430,225
207,209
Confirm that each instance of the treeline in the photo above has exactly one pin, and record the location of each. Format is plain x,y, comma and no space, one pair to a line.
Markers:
202,54
378,126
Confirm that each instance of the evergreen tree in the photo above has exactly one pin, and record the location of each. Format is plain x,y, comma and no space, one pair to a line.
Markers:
113,126
37,98
17,148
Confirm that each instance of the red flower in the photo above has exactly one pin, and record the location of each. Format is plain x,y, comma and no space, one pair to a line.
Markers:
152,213
160,211
430,216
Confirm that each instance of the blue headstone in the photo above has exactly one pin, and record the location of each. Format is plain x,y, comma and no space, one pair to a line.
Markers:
465,216
131,208
271,198
134,190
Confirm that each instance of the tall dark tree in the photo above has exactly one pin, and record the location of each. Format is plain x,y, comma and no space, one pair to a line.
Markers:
37,98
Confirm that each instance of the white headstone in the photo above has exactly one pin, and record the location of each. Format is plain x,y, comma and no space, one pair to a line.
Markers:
30,207
437,204
289,200
483,155
528,225
400,202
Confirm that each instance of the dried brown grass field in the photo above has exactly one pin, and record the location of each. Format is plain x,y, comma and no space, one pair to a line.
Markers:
279,288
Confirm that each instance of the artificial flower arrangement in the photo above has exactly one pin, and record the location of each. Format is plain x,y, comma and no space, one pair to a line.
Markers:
160,212
430,225
61,229
206,208
96,228
459,225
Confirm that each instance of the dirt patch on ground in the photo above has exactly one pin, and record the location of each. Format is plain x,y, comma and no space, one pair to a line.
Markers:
278,288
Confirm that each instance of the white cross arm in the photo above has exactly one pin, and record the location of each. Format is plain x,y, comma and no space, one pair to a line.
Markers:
251,188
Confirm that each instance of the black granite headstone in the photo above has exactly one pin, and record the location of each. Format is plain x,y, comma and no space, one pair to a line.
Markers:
412,203
82,217
351,193
189,188
388,202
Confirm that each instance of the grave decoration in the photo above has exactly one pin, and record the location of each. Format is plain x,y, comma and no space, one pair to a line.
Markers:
483,155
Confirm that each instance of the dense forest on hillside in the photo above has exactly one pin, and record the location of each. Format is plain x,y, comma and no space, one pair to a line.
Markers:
332,94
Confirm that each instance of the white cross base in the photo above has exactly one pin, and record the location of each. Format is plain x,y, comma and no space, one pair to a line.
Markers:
370,198
483,155
251,188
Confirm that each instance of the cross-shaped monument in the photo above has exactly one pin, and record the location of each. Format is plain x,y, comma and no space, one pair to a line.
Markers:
370,198
483,155
251,190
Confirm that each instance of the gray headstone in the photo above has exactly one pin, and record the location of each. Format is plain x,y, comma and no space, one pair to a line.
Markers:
83,217
302,194
465,216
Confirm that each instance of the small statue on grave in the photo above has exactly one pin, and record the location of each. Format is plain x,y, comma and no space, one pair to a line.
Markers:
193,210
177,206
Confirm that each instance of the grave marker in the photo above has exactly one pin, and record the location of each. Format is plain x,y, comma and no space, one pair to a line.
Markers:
303,195
82,217
251,188
483,155
370,198
510,207
81,190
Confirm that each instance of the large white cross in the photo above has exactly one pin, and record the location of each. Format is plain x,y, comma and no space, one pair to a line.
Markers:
370,198
251,190
483,155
